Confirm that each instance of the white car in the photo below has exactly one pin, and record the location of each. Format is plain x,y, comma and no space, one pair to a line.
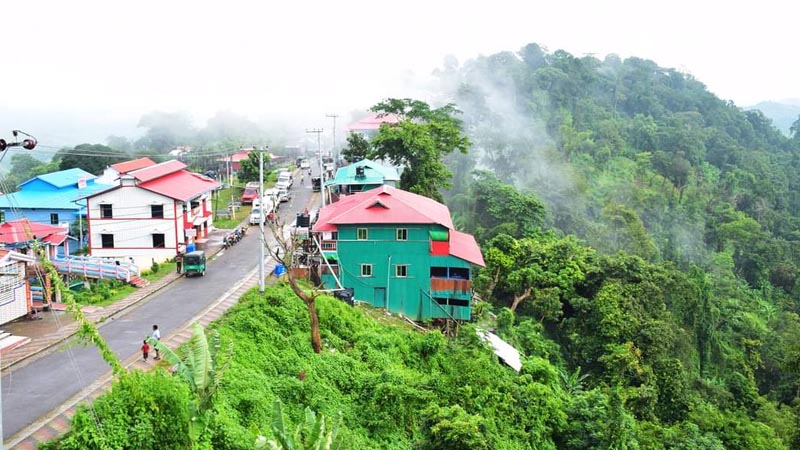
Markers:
256,217
283,194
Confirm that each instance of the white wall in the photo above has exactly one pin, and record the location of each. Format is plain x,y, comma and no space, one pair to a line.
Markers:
133,227
13,295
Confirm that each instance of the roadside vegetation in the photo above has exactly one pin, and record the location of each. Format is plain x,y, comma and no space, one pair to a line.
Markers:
642,244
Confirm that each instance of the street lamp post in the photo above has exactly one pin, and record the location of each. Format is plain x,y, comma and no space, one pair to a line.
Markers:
318,132
333,148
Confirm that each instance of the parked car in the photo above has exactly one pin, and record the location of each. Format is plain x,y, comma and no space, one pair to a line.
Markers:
250,193
283,194
256,217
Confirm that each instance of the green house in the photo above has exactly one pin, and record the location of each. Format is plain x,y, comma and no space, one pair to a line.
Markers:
361,176
398,251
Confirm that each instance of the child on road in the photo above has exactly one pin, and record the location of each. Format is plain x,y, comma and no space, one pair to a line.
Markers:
145,349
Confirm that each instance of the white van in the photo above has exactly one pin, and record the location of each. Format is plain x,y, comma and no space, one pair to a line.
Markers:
284,178
256,217
283,193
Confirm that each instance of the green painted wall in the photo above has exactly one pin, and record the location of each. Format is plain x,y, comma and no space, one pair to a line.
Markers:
408,295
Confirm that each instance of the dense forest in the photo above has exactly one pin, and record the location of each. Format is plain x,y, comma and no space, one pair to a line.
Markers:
640,237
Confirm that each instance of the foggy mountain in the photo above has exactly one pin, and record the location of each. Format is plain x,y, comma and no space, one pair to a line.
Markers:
783,112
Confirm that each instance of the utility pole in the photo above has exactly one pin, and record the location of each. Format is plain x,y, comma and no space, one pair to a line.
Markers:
333,148
318,131
261,220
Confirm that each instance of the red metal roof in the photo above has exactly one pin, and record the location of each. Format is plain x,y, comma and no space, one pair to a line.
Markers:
23,230
136,164
182,185
463,246
383,205
158,170
373,122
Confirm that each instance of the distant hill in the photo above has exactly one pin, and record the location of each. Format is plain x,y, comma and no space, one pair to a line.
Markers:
783,113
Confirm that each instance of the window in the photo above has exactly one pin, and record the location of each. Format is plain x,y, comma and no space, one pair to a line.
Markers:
53,219
366,270
157,211
2,216
361,234
158,240
402,234
401,270
107,240
106,212
335,236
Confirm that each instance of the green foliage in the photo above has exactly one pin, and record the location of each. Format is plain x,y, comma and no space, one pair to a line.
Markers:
155,267
314,433
143,411
418,143
93,158
358,148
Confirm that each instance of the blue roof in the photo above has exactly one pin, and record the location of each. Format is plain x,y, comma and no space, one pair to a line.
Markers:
374,173
63,178
61,199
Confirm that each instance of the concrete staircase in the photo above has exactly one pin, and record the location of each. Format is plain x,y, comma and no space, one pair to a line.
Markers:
9,342
137,281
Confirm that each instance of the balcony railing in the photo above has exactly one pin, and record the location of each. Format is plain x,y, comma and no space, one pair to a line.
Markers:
329,245
450,285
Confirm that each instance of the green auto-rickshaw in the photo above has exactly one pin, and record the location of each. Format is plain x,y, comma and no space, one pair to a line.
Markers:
194,263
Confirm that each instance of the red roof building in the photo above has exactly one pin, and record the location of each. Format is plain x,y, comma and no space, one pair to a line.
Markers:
398,250
372,122
153,213
21,233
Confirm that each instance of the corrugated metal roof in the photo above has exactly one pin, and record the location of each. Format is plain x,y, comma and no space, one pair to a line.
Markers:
182,185
23,230
372,122
463,246
374,173
134,164
62,178
158,171
384,205
64,198
502,349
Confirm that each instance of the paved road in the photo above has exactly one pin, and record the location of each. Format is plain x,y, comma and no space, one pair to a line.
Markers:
35,389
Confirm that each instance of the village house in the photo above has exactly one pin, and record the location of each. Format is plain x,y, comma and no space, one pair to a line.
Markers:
152,213
399,251
360,176
15,290
51,198
112,173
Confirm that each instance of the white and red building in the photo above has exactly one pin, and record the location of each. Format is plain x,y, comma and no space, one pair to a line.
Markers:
153,213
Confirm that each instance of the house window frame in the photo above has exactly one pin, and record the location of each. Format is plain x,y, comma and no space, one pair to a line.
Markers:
398,268
163,240
53,218
154,214
103,242
366,270
2,216
360,232
106,211
401,234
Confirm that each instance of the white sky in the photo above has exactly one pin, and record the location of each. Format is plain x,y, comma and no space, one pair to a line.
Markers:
123,59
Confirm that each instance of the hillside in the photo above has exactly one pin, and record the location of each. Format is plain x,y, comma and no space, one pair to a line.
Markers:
642,245
782,113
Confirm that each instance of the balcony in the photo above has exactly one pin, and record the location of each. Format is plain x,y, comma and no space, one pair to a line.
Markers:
328,245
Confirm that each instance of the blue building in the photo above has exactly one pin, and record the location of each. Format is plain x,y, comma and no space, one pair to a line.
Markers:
51,198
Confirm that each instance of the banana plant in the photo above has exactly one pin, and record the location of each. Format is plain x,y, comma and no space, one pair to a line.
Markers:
201,364
315,433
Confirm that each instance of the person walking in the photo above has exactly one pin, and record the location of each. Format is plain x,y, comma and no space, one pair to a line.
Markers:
145,349
156,337
179,262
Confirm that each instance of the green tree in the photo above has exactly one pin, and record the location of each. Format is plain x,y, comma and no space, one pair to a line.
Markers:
249,170
418,143
93,158
358,148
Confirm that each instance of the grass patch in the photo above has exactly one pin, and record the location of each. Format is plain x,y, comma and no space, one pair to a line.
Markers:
107,292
